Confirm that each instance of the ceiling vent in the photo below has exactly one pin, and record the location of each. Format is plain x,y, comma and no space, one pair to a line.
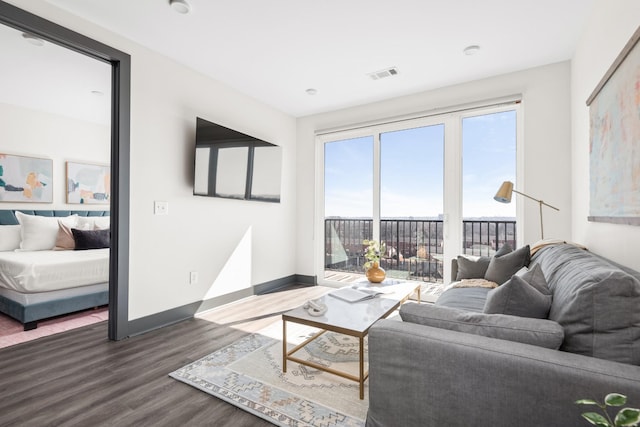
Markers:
388,72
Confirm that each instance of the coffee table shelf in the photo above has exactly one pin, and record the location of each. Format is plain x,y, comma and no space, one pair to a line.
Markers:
353,319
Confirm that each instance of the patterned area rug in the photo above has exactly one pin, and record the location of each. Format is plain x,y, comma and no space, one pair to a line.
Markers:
248,374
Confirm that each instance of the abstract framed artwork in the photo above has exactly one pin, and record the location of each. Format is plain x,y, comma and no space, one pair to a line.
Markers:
614,146
88,183
25,179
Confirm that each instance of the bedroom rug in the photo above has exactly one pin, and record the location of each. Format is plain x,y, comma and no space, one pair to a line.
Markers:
12,332
248,374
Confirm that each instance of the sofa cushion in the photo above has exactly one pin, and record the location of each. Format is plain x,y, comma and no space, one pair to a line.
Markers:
501,268
595,301
469,299
518,298
539,332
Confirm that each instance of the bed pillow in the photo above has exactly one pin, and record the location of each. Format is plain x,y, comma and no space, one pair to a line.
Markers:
64,239
10,237
91,239
503,267
93,222
39,233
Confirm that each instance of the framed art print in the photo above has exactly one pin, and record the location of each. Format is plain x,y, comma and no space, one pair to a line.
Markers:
25,179
88,184
614,144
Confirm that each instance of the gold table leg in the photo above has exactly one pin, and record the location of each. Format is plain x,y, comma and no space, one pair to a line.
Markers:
284,345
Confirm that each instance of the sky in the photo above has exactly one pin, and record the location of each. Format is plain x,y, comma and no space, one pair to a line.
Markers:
412,170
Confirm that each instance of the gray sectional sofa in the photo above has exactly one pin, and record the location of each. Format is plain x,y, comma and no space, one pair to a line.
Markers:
452,364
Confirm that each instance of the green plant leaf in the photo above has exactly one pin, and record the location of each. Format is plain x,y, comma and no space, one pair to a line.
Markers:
615,399
628,417
586,402
596,419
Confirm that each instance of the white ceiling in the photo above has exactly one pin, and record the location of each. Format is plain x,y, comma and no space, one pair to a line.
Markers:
274,50
53,79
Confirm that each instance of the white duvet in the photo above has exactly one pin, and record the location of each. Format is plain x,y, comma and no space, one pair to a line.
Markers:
42,271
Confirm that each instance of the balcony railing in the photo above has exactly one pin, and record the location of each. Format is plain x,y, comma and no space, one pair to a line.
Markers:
413,246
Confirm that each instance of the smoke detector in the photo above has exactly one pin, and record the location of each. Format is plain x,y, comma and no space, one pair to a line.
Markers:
387,72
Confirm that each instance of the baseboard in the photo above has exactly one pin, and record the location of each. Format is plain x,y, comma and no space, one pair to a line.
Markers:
274,285
185,312
188,311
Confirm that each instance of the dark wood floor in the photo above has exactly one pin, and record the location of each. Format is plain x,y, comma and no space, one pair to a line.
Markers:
79,378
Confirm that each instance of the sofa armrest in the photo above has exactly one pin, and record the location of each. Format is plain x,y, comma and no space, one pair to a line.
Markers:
425,376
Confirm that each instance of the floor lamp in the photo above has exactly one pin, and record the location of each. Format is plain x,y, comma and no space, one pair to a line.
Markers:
504,196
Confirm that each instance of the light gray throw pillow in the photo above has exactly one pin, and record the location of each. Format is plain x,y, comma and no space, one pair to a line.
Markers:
503,267
539,332
517,297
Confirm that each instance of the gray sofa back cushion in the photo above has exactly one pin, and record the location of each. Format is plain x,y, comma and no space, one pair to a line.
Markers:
539,332
597,303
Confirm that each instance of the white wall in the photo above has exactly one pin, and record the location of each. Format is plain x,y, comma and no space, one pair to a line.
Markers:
231,244
547,145
32,133
611,25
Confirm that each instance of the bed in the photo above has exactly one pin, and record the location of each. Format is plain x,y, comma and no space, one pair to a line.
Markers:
38,284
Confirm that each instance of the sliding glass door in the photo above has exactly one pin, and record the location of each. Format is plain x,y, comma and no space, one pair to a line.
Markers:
424,186
411,201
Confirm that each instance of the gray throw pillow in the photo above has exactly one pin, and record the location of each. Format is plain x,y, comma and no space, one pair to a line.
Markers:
518,298
539,332
503,267
504,249
472,268
535,277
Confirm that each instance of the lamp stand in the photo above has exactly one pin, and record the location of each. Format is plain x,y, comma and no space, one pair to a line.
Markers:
540,203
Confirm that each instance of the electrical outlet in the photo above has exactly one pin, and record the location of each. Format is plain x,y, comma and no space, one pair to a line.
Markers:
193,277
160,208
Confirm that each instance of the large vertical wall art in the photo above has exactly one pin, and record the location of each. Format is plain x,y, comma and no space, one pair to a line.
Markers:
25,179
88,184
614,149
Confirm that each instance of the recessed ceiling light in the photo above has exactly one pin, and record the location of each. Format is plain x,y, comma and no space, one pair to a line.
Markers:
471,50
311,91
33,39
180,6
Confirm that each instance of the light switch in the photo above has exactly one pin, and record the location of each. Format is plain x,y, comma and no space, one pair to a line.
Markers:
160,208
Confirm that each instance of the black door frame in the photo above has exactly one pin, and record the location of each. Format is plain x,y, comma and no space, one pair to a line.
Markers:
120,160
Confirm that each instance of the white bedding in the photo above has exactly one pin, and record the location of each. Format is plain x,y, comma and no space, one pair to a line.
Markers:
42,271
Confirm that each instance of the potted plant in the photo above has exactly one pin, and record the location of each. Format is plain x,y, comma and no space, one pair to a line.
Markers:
373,252
624,417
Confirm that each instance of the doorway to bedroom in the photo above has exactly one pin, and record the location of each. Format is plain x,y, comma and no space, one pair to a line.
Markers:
55,105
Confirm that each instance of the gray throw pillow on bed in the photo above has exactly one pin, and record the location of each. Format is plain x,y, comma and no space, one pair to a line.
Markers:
503,267
539,332
518,298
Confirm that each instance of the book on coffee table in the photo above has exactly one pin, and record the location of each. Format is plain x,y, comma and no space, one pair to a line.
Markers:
355,294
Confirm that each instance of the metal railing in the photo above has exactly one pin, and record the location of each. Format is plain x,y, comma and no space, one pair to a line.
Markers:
413,246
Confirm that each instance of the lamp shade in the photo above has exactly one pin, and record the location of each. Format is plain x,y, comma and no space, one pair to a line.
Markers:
504,192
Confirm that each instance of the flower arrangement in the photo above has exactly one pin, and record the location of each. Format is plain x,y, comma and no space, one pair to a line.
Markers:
372,252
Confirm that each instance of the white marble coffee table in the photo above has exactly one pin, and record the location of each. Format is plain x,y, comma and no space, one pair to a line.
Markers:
353,319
